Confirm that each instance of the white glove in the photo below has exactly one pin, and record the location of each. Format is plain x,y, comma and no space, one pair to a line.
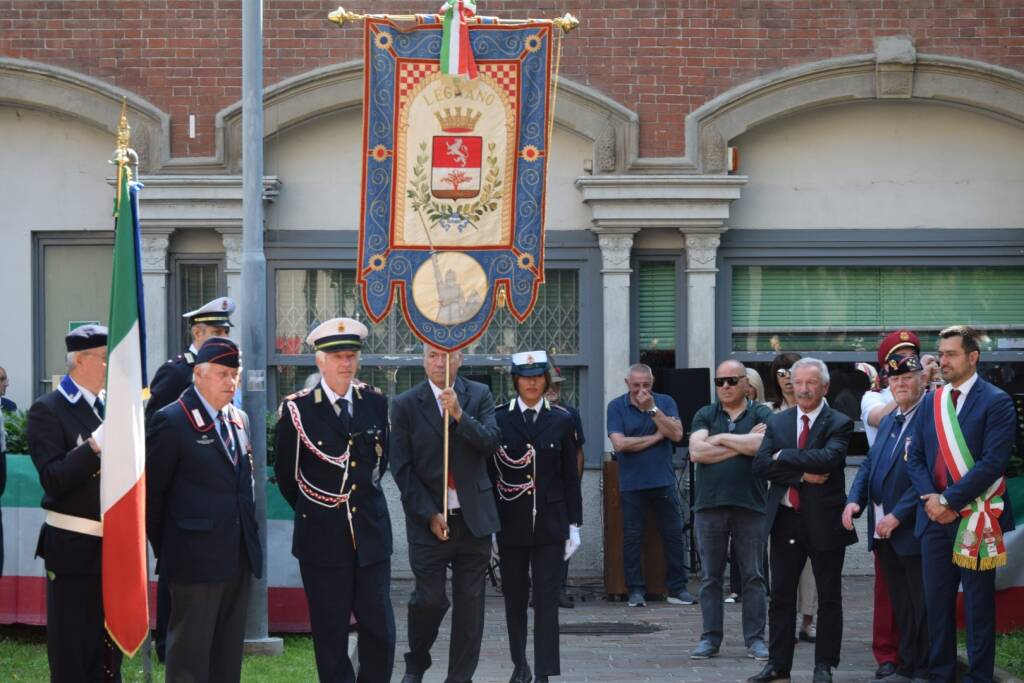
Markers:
573,543
97,436
495,555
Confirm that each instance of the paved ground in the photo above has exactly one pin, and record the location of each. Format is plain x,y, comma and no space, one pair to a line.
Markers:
659,656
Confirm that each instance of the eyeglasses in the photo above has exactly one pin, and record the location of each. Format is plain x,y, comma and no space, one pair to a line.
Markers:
782,372
731,381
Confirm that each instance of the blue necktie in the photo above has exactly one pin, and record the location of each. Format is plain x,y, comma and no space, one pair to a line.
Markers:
229,440
346,419
99,408
888,452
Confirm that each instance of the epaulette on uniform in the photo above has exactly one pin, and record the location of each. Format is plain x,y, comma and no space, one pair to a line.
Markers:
370,387
172,361
557,406
297,394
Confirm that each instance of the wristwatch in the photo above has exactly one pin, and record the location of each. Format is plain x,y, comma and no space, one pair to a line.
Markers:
942,501
653,411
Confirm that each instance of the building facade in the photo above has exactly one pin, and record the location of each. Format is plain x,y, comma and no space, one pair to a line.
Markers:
879,184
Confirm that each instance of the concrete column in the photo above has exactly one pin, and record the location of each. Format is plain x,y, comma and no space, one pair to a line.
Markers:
616,246
232,240
701,253
154,286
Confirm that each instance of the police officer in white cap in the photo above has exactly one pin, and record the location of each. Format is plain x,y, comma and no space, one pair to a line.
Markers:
210,320
332,444
213,319
537,487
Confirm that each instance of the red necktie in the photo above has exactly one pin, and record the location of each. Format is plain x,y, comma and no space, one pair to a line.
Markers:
801,442
941,477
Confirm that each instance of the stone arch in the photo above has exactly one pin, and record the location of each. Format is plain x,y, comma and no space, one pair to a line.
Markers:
330,89
893,71
94,102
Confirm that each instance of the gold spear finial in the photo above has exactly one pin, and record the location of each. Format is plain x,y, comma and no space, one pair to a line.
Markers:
566,22
124,135
340,16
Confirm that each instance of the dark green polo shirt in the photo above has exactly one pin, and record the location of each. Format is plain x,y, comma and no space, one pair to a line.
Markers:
730,482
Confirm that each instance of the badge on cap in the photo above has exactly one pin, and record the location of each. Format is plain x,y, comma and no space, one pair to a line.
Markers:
338,334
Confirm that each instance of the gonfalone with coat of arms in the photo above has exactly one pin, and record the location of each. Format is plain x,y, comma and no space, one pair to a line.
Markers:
454,172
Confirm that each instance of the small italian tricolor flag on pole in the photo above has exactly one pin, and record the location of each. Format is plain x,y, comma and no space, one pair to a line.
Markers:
122,477
456,52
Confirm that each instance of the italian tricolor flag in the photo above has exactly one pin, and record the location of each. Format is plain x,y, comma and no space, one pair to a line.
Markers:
456,52
122,481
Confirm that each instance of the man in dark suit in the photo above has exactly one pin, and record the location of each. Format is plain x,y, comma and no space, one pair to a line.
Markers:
331,455
60,430
437,537
201,518
212,319
953,475
883,487
803,455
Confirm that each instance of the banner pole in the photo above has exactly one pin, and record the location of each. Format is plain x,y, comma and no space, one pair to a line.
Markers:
567,22
444,487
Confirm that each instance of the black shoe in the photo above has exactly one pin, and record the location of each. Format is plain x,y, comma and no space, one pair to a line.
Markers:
521,674
412,678
565,601
822,673
885,669
768,674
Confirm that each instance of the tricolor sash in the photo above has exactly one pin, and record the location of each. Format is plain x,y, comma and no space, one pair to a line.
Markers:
979,539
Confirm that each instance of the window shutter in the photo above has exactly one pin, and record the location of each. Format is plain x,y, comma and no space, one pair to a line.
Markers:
656,297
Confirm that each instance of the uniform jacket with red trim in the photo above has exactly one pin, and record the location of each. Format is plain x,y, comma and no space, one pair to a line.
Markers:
322,535
558,498
200,508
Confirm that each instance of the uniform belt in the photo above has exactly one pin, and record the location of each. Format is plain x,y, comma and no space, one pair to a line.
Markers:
81,525
454,512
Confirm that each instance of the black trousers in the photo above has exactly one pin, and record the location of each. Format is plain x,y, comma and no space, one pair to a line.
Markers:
77,644
469,557
333,593
206,631
790,550
163,615
906,589
544,564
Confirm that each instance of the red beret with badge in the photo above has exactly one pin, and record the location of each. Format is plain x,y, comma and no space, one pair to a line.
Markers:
895,341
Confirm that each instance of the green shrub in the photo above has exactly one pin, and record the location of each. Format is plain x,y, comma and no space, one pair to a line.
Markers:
14,423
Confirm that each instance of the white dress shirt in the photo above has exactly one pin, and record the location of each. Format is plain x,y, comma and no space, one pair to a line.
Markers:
813,415
453,495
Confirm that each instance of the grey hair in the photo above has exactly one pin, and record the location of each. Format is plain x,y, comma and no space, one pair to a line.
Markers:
641,369
71,360
808,362
312,380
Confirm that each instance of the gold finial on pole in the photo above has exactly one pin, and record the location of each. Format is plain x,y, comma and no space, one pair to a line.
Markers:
124,135
340,16
566,22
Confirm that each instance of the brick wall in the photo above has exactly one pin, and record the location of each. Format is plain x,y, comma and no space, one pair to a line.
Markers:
660,58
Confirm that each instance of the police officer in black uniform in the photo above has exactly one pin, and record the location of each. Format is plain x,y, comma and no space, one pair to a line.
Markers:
175,376
201,518
213,319
541,509
65,442
331,455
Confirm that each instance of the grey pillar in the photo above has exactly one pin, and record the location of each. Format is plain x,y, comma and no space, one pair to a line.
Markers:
616,246
253,305
154,285
701,269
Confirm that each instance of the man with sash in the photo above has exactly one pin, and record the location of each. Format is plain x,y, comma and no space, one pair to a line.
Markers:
883,487
331,455
201,518
957,462
64,432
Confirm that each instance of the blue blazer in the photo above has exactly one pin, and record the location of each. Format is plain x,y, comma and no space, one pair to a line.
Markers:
898,495
988,423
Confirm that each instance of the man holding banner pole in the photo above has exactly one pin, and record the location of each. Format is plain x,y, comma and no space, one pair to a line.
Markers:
450,512
957,462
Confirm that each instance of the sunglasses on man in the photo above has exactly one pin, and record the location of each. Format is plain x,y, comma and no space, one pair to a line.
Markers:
731,381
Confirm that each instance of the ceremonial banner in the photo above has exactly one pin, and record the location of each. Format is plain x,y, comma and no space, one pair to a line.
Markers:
454,172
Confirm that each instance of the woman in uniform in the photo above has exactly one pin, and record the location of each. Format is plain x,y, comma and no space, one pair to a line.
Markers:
539,502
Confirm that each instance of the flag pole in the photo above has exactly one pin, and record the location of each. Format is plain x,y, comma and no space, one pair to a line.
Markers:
444,486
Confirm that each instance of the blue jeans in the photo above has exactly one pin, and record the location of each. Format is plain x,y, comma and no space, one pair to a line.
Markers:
713,527
669,514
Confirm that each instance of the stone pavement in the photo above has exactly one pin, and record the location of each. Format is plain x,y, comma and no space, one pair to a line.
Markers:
658,656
